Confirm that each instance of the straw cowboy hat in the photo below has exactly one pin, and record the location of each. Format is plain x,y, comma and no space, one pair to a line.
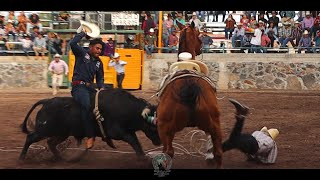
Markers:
91,29
57,55
272,132
116,55
305,32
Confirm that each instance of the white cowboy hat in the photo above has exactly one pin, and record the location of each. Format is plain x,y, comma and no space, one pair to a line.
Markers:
185,56
116,55
151,30
57,55
272,132
194,14
91,29
305,32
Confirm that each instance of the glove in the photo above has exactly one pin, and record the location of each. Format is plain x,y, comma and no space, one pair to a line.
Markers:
145,113
79,30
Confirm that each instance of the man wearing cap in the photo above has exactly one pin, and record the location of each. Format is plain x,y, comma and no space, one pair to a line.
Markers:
58,68
119,67
150,41
206,41
87,66
110,48
259,146
197,22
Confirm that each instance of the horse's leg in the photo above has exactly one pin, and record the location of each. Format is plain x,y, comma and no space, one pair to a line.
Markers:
52,143
216,137
170,150
31,138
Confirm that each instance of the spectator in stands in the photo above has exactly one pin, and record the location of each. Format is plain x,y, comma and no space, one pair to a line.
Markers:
296,33
249,14
247,41
305,42
169,23
12,18
200,15
272,33
206,41
63,16
40,46
287,16
130,42
315,27
150,41
33,20
285,34
265,41
180,19
57,43
197,22
110,48
3,44
245,21
261,18
26,44
307,22
54,43
238,34
256,40
173,41
2,19
34,33
22,22
165,37
148,23
230,23
274,19
2,30
119,67
252,22
58,68
317,42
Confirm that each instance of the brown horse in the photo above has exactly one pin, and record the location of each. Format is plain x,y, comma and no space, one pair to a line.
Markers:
189,100
189,40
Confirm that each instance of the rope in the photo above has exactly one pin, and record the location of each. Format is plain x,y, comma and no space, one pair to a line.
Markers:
195,151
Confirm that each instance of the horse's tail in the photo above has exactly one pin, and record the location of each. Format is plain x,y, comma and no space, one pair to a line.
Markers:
23,126
189,93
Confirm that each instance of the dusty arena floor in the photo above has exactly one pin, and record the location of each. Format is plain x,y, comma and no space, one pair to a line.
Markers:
295,114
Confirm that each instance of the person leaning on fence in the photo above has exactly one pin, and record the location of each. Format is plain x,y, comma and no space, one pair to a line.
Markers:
87,66
119,67
58,68
206,41
305,42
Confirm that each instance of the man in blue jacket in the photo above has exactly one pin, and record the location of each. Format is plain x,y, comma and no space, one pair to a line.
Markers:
87,65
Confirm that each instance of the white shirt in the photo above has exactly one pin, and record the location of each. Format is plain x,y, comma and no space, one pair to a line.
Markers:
58,67
268,150
256,38
119,67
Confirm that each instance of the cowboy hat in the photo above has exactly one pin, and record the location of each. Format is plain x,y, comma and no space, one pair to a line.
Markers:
184,56
57,55
273,133
305,32
91,29
116,55
151,30
194,14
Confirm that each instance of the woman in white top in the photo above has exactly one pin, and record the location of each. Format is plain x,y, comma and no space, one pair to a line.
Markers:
119,67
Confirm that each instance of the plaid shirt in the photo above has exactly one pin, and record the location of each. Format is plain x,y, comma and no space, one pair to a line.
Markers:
268,150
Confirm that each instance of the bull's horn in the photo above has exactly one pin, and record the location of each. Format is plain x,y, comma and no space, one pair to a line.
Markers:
145,112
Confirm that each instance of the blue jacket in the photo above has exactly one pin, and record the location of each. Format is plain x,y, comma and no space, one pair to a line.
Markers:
86,66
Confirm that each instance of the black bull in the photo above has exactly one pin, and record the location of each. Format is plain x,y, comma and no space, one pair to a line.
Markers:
60,118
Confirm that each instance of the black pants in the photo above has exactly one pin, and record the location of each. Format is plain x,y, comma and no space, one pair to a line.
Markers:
120,78
237,140
81,94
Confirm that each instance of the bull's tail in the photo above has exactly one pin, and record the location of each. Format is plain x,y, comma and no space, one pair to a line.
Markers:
23,126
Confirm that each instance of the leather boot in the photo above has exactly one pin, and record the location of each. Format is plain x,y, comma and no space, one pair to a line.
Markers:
90,142
241,109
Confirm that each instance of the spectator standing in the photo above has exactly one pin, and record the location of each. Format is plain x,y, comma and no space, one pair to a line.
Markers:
110,48
230,22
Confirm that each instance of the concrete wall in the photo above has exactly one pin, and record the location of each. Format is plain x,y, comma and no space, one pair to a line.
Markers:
247,71
232,71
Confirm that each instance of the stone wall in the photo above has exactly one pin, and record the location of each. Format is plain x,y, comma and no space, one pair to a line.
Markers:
19,72
247,71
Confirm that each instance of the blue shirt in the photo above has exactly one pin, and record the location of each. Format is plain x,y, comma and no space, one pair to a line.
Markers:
86,66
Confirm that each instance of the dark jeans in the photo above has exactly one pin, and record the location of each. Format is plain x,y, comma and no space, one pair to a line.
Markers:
237,140
81,94
120,78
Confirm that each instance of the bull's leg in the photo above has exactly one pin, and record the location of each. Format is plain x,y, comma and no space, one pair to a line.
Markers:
31,138
52,143
131,138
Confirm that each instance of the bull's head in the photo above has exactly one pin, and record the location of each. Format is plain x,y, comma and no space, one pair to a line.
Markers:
150,128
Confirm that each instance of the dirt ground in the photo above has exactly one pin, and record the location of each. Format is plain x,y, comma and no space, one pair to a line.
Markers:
295,113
